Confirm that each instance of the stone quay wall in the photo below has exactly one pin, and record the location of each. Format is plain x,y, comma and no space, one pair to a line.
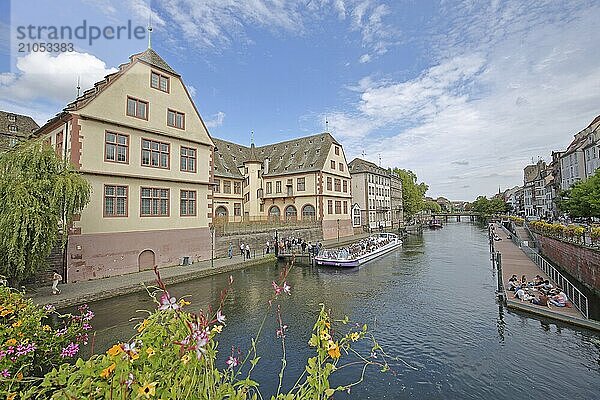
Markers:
582,263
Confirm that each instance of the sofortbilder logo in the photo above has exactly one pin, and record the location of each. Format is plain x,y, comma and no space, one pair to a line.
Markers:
51,38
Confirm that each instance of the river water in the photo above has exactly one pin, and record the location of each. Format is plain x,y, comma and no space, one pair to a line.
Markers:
431,303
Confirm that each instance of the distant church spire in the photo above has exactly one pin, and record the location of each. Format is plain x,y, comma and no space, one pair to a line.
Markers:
78,85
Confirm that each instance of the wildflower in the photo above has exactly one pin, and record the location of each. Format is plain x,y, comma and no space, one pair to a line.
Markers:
82,338
231,279
167,302
286,288
86,326
280,332
11,342
325,335
220,317
232,362
217,328
82,308
186,358
46,328
49,308
115,350
24,349
277,288
19,376
129,380
150,351
143,325
6,312
70,350
88,315
61,332
354,336
183,302
147,390
11,396
333,349
17,324
108,370
4,373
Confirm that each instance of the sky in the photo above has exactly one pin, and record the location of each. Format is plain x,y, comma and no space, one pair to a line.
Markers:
463,93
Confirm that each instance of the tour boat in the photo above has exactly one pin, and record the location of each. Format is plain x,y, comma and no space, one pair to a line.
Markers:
435,224
360,252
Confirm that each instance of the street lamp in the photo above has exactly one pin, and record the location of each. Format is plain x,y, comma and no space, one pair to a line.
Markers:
338,225
212,246
276,244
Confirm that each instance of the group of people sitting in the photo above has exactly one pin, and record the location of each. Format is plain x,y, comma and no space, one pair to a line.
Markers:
357,249
547,294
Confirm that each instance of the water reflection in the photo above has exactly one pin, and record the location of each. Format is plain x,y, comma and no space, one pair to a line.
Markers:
431,303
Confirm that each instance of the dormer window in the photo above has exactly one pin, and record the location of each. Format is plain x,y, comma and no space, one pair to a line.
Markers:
159,81
12,128
12,117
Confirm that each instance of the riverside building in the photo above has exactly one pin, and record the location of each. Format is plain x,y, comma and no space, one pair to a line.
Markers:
305,179
15,128
371,194
139,140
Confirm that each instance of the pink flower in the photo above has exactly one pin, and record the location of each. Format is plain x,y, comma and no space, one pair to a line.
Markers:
167,302
70,350
86,326
287,288
231,279
232,362
277,288
5,374
220,317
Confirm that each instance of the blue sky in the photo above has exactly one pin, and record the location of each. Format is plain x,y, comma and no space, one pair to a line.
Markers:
464,93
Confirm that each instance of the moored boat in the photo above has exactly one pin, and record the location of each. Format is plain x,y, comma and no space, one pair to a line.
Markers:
435,224
360,252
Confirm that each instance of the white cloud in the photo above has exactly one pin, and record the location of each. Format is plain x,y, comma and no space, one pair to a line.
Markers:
52,78
192,90
472,121
365,58
216,120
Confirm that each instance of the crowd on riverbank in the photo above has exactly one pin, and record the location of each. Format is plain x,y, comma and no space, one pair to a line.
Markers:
539,291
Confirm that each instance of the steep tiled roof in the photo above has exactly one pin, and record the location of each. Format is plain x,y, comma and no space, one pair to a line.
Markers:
24,124
151,57
293,156
359,165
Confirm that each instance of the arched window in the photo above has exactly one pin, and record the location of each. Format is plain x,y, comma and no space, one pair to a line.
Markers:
308,212
290,213
274,213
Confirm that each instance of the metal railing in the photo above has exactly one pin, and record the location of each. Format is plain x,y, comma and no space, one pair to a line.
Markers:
579,300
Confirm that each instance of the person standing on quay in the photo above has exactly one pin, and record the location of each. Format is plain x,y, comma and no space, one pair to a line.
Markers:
230,250
242,249
56,277
247,251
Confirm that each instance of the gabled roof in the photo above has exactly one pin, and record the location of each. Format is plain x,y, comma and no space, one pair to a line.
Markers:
25,125
290,157
148,56
359,165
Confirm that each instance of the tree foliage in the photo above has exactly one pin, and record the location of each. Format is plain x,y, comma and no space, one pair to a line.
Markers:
432,206
413,193
488,207
39,193
583,199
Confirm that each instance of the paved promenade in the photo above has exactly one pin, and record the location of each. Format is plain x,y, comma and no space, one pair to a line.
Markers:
515,261
98,289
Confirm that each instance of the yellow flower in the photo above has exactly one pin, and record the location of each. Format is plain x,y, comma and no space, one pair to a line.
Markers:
186,358
143,325
46,328
19,376
108,370
115,350
6,312
11,396
150,351
134,355
11,342
333,349
354,336
325,335
147,390
327,324
183,302
217,328
17,324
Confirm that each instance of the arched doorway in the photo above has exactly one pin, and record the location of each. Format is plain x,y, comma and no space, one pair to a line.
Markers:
308,213
290,213
146,260
221,214
274,213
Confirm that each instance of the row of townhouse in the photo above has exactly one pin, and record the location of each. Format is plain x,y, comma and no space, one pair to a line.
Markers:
376,196
160,181
543,182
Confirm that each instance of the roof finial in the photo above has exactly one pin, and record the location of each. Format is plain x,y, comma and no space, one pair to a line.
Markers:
78,85
363,154
252,137
380,159
326,125
150,29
